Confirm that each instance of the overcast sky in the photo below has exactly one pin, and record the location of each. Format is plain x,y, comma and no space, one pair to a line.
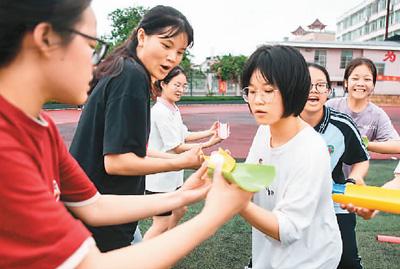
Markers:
237,27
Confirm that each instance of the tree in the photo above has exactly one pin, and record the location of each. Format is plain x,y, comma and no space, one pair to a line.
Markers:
123,21
186,62
229,67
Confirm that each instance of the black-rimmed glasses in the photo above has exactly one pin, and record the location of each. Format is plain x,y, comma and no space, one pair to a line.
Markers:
99,51
249,94
320,87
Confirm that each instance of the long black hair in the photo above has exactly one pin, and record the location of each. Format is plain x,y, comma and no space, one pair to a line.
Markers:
159,20
17,17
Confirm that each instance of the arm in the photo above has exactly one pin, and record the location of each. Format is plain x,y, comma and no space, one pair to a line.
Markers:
359,172
159,154
261,219
118,209
202,134
131,164
386,147
367,213
223,202
215,139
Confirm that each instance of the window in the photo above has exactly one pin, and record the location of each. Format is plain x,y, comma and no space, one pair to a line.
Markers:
381,5
380,68
372,26
397,16
320,57
381,23
345,58
366,29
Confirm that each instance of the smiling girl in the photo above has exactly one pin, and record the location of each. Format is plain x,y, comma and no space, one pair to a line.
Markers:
372,122
170,134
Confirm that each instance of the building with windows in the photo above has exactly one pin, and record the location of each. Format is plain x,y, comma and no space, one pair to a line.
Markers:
334,56
367,21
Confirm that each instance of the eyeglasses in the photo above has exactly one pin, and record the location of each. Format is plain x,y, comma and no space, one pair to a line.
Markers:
99,51
320,87
249,94
183,86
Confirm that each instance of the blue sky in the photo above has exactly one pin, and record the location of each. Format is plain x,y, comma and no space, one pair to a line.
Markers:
237,27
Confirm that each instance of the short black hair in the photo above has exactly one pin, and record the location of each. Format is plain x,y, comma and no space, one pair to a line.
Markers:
285,68
323,70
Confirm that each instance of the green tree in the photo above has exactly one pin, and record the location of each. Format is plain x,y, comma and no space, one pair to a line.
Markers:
123,21
229,67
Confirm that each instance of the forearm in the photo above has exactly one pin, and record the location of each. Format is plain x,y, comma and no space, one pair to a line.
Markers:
198,135
129,164
186,146
160,154
119,209
359,172
168,247
261,219
386,147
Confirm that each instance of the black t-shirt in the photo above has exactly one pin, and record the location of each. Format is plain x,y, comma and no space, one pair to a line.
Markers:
115,120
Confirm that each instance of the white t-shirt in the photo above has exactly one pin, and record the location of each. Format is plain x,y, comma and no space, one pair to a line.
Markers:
167,132
300,198
397,169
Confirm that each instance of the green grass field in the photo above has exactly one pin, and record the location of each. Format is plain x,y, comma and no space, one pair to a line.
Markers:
230,247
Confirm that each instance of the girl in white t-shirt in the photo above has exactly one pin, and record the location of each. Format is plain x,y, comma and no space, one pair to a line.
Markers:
169,134
294,223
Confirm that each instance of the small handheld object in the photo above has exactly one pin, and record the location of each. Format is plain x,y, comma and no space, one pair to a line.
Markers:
249,177
223,130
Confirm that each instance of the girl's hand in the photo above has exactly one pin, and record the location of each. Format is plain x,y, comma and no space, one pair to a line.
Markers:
224,200
215,139
365,213
192,158
214,128
196,186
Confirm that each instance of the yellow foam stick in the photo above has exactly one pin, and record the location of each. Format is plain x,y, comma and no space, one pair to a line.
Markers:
370,197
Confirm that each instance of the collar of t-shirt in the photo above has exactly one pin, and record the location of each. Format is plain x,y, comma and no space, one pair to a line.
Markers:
170,106
323,124
20,116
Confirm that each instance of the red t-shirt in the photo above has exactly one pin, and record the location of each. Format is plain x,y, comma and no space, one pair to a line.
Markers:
37,174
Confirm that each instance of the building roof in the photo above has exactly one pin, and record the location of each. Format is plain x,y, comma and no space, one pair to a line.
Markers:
317,25
371,45
299,31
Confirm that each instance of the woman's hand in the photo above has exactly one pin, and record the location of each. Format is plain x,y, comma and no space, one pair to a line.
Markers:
365,213
224,200
215,139
196,186
192,158
214,128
